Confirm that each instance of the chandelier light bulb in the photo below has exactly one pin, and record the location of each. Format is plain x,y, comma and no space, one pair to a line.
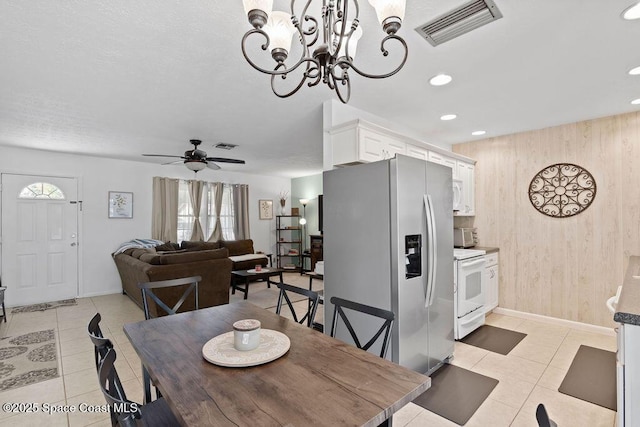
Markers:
257,11
280,31
303,221
353,41
390,13
635,71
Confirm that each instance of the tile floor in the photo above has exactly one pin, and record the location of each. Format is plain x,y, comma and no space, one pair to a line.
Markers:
530,374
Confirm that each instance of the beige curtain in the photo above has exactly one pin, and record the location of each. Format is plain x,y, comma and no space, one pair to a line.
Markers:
217,188
241,211
195,194
164,220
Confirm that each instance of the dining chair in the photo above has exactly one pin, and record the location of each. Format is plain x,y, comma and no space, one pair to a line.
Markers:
312,305
543,418
181,289
101,344
125,412
339,306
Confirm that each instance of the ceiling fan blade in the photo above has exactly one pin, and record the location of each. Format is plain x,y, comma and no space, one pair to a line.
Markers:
177,162
162,155
213,166
223,160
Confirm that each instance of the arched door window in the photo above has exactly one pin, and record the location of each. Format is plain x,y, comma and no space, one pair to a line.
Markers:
41,190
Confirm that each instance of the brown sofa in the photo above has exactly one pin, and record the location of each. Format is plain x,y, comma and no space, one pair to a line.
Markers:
148,265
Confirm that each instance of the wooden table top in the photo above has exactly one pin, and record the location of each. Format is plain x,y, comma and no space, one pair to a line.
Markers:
319,381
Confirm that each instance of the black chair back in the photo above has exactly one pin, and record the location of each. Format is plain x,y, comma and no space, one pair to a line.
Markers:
312,306
124,411
149,287
101,344
384,331
543,418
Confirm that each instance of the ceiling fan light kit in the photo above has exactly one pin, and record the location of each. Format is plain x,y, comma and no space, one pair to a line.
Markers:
333,53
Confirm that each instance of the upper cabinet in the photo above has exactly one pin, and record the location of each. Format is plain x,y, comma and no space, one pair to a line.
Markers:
466,174
359,144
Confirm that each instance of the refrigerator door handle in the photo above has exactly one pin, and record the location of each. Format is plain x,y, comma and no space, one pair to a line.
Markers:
432,259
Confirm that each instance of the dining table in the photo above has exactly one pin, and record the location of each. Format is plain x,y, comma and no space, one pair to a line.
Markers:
319,380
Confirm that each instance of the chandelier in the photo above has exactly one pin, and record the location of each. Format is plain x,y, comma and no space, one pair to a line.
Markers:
333,40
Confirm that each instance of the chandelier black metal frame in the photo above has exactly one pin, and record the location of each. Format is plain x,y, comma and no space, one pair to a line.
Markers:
333,40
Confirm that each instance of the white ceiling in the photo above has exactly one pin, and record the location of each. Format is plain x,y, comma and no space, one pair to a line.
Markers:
120,78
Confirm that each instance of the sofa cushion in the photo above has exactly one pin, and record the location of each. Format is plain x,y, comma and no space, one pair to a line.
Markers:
198,245
137,253
238,247
167,246
192,256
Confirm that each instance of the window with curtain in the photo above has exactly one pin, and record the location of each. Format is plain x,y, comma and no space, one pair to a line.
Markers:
186,216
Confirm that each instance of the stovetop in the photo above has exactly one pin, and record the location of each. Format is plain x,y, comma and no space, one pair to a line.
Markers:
467,253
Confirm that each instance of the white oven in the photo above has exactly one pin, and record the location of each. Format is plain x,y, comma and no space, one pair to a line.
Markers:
468,291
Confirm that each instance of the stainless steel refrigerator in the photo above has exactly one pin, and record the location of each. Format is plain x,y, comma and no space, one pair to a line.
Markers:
388,242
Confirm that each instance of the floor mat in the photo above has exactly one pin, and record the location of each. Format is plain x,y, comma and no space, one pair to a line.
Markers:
592,377
44,306
494,339
456,393
28,359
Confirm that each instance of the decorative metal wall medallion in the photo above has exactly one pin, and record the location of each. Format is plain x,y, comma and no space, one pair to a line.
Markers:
562,190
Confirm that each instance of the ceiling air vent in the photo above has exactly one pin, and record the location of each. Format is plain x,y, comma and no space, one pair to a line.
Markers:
224,146
461,20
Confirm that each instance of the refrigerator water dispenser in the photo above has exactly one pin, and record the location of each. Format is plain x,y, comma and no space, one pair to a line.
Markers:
413,255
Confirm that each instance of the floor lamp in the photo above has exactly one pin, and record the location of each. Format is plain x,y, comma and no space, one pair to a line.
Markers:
303,223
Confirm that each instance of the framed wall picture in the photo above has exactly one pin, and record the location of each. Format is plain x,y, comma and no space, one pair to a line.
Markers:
120,204
265,207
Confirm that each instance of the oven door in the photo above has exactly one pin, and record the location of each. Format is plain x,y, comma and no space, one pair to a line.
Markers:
470,289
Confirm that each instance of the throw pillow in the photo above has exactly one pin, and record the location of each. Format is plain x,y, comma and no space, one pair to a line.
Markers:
167,246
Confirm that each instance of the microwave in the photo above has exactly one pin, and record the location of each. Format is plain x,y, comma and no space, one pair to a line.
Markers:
465,237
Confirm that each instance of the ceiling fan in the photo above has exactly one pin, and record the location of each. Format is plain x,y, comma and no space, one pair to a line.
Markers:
196,160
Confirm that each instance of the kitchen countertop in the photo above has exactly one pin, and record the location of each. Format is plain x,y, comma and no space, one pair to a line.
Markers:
488,250
628,308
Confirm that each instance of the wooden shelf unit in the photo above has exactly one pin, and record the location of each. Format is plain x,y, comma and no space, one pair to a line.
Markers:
288,237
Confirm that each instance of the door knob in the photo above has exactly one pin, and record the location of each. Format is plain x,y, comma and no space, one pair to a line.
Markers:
73,244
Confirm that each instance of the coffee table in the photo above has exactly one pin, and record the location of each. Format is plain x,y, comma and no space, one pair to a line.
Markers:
238,277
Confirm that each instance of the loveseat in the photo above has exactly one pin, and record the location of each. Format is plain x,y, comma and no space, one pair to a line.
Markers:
150,265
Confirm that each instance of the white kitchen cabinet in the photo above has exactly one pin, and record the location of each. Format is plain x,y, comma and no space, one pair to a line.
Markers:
466,173
417,152
441,159
628,375
358,144
490,282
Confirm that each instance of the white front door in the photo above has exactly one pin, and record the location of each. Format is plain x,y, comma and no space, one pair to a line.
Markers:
39,238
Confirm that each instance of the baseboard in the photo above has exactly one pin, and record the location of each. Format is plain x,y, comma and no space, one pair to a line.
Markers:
556,321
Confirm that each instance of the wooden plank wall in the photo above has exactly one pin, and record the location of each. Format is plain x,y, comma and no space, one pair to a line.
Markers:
564,268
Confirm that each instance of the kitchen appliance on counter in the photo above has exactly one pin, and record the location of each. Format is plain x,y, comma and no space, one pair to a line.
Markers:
388,241
465,237
468,291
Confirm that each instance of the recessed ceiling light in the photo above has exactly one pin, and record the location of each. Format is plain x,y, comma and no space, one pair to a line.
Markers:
448,117
635,71
636,101
440,80
478,132
632,12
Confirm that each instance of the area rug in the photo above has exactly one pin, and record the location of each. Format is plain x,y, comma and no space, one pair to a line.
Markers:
494,339
592,377
44,306
456,393
28,359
